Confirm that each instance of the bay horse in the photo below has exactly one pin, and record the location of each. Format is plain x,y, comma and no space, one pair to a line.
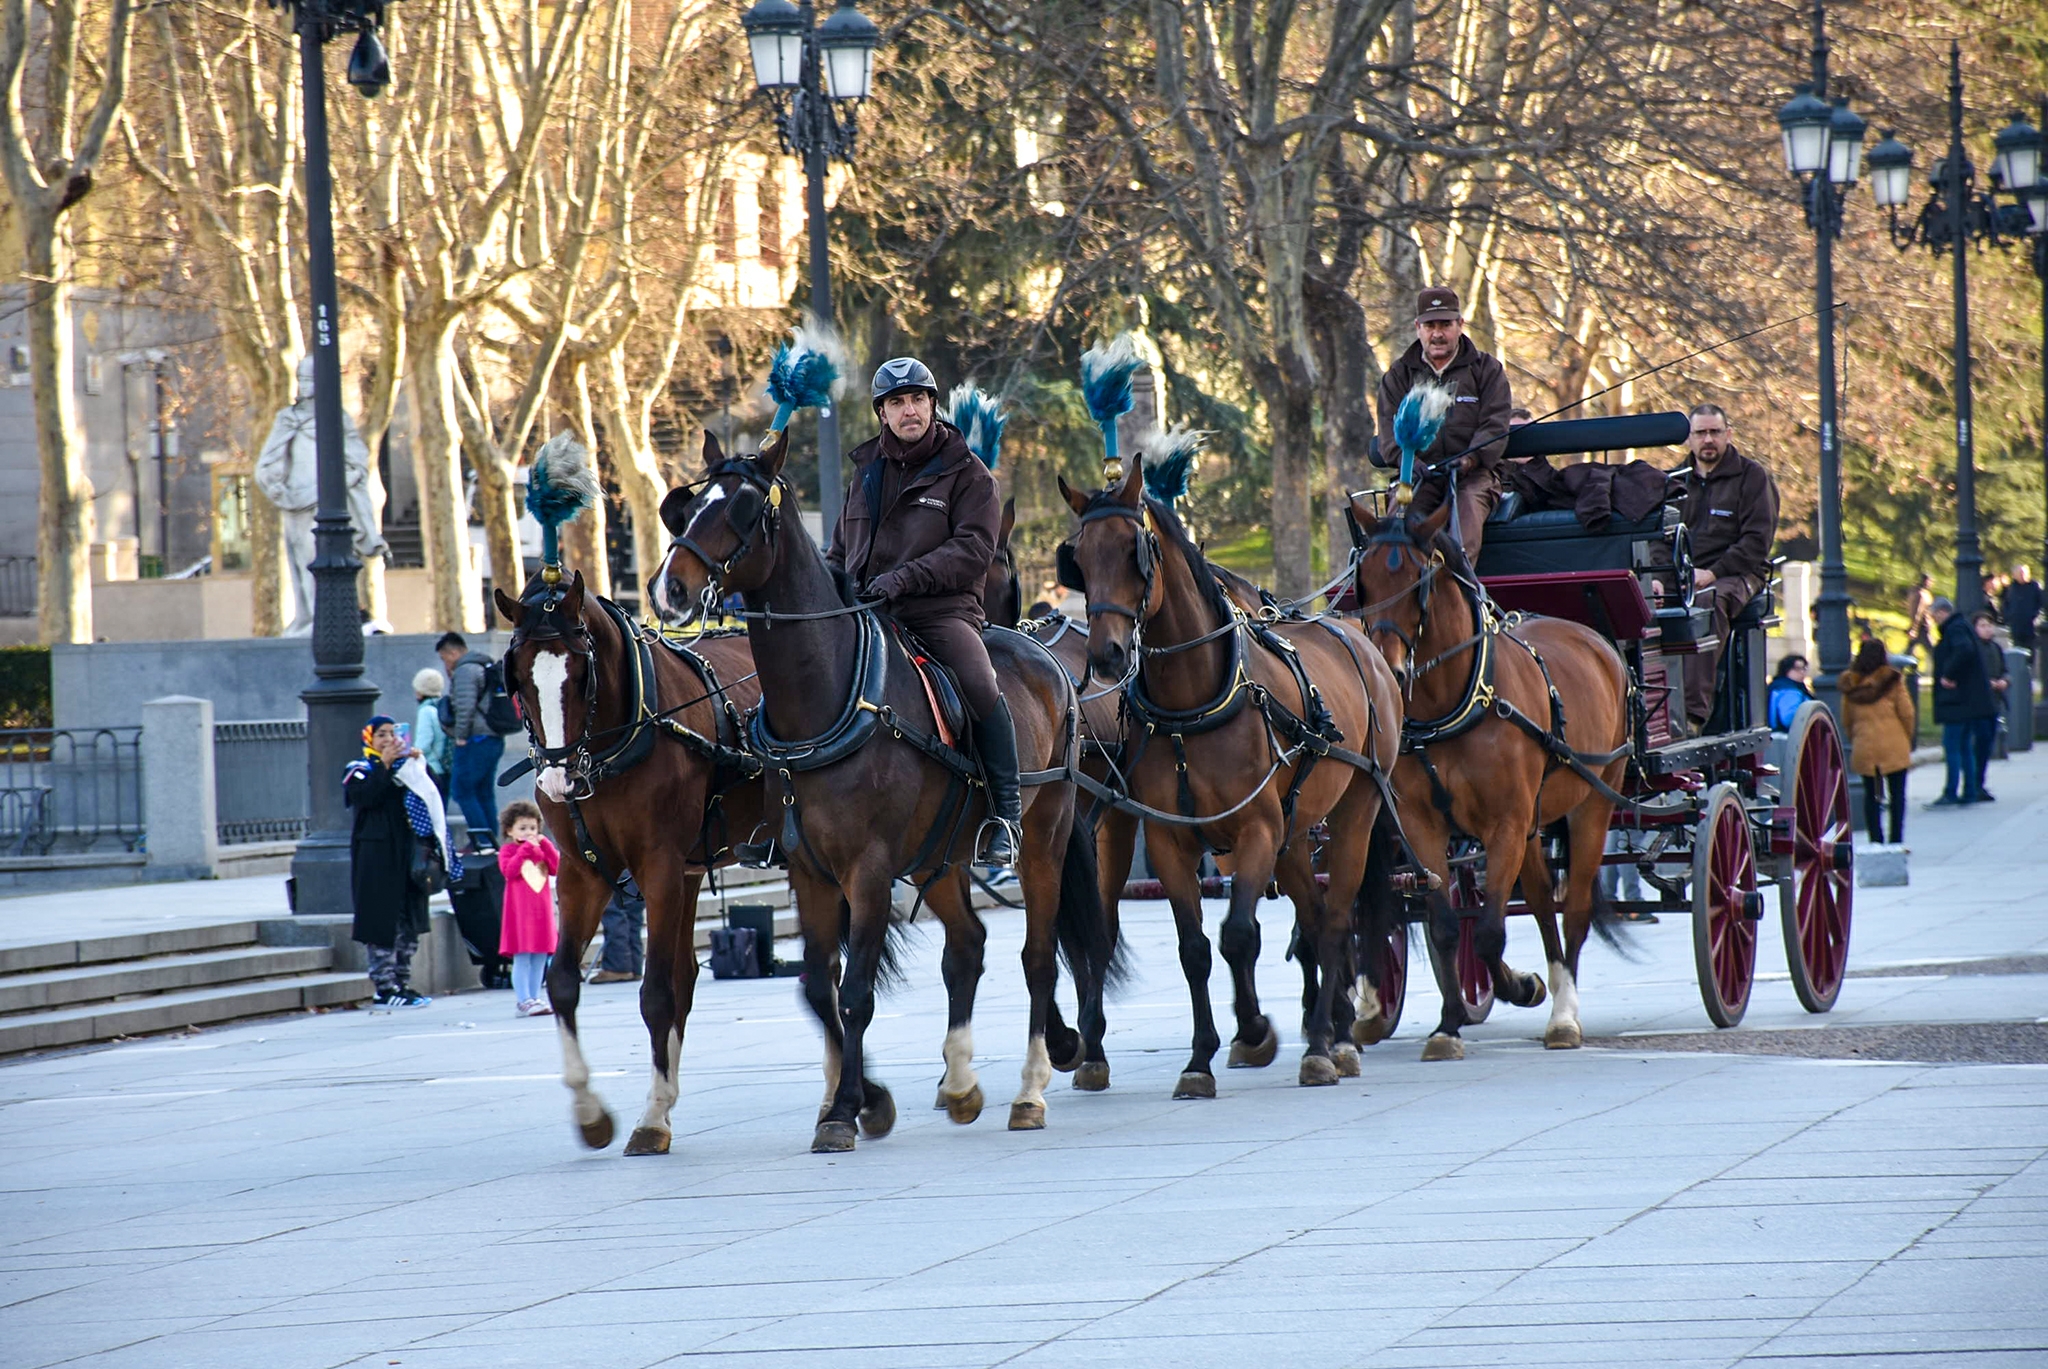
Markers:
1246,730
868,793
640,769
1489,753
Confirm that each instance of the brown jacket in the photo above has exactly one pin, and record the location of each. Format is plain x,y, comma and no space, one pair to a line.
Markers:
1733,517
1878,720
1480,413
928,551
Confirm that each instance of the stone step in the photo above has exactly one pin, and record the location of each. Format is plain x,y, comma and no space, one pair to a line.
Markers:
169,1011
41,989
52,955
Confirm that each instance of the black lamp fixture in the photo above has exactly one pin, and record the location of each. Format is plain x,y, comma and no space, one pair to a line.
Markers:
816,75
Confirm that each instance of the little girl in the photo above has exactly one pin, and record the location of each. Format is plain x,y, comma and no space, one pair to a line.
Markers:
527,929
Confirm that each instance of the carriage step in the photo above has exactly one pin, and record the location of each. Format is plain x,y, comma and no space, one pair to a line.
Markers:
169,1011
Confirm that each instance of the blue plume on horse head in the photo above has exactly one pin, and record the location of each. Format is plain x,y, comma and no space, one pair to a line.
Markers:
1418,422
561,485
980,418
1169,457
1106,371
806,371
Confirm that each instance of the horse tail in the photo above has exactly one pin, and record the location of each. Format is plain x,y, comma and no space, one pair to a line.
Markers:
890,972
1082,924
1607,924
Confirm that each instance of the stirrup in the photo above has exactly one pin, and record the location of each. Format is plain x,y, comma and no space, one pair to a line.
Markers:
984,842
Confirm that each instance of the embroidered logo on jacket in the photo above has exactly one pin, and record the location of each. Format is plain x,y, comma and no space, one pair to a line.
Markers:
930,503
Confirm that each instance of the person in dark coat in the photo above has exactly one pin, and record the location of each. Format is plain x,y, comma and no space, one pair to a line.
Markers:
2020,606
1731,511
1475,430
1962,697
918,529
1985,743
390,911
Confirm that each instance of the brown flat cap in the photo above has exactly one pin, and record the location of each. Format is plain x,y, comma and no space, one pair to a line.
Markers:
1438,301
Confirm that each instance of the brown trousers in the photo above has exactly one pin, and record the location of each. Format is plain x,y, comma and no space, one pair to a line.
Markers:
957,642
1478,496
1726,598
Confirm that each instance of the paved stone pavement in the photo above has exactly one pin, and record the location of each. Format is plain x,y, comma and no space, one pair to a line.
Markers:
403,1189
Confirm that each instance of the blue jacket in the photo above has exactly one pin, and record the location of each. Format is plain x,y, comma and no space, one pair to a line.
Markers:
1787,694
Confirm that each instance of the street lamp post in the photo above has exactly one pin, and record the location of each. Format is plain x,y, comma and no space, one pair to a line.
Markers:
812,72
1956,215
339,698
1824,150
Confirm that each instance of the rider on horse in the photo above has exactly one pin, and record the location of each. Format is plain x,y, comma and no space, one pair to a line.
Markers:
918,530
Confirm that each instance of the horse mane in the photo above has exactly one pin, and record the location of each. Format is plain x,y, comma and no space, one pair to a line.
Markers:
1204,571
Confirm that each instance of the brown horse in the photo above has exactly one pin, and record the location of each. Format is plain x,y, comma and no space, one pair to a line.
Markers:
1489,754
636,744
869,795
1242,739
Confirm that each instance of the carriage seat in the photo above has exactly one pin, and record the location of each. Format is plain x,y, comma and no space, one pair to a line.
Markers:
1552,540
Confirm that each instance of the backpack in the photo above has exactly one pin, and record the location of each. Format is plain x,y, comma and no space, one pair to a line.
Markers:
500,709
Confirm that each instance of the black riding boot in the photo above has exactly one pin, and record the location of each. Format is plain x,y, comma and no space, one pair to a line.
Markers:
995,739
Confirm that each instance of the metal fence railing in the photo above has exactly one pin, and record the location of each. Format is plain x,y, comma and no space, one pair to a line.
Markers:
259,781
66,790
17,586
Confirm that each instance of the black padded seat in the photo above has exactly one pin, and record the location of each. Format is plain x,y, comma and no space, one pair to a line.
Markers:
1552,540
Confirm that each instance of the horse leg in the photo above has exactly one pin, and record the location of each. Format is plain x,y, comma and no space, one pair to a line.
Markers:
1116,839
1324,931
1588,845
581,895
819,912
867,897
1538,891
667,988
1430,841
960,965
1504,852
1038,874
1296,874
1176,859
1257,1040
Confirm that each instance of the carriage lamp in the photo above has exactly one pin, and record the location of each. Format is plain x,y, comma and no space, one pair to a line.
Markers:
1891,173
1845,143
2016,155
775,39
849,39
369,69
1805,121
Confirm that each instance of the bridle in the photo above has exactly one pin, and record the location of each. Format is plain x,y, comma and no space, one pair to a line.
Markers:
1423,587
544,622
753,512
1144,547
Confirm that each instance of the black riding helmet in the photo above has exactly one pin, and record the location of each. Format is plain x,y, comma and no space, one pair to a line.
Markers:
903,373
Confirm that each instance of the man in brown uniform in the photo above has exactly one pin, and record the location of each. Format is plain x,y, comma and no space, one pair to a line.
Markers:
918,529
1731,510
1442,353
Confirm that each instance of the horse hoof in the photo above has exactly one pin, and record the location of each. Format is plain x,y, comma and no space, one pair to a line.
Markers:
1537,993
1369,1031
961,1111
1027,1117
878,1118
1253,1055
1563,1036
1317,1071
1195,1084
939,1100
1064,1050
1092,1076
831,1138
1345,1058
1443,1048
647,1141
597,1135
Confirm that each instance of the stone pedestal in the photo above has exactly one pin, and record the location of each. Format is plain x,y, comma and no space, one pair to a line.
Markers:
177,786
1882,867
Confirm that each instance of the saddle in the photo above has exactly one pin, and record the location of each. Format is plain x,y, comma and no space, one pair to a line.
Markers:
941,689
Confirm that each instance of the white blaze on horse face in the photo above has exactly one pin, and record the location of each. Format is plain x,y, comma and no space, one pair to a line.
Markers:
550,672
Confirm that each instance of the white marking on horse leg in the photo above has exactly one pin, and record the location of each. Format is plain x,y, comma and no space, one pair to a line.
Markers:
959,1052
1368,999
576,1077
663,1088
1564,1000
1037,1072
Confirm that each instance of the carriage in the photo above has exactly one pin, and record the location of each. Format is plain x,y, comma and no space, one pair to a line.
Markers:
1714,821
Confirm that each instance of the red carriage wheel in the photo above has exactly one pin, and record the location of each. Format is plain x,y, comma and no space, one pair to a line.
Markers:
1725,905
1815,881
1475,976
1393,979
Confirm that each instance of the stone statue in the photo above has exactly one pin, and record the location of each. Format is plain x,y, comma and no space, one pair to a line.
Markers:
288,473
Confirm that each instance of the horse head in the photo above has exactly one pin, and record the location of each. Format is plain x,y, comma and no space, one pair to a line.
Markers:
1002,593
1113,560
1393,577
722,531
551,667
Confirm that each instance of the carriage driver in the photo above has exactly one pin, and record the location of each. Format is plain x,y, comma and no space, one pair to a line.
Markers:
918,529
1731,510
1480,414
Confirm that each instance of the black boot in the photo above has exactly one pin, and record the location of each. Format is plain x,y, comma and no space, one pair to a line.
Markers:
995,740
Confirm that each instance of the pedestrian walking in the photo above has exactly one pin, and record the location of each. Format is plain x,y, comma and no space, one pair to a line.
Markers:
429,738
1993,656
1879,720
1962,699
625,919
1920,622
1789,692
527,930
473,771
398,855
2021,607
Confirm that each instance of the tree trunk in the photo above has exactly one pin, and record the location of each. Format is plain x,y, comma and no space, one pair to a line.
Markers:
1349,374
636,467
1290,413
497,508
456,604
64,527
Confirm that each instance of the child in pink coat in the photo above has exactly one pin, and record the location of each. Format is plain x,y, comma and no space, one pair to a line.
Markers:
526,931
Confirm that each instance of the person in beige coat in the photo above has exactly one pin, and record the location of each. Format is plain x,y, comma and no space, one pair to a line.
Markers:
1879,720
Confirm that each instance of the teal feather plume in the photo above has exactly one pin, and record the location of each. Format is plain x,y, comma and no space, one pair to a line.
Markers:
1106,371
1418,422
1169,456
561,485
980,418
806,372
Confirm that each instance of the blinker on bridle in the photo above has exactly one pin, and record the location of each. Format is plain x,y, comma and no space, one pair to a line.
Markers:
754,494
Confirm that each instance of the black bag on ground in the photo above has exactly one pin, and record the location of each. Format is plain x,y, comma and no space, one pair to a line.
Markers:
479,900
735,953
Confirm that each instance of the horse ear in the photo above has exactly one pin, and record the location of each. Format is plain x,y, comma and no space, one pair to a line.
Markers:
1360,516
1132,491
774,454
1009,522
674,505
572,602
513,611
1076,500
1425,532
714,454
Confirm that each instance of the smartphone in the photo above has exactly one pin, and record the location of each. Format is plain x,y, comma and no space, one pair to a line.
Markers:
404,731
